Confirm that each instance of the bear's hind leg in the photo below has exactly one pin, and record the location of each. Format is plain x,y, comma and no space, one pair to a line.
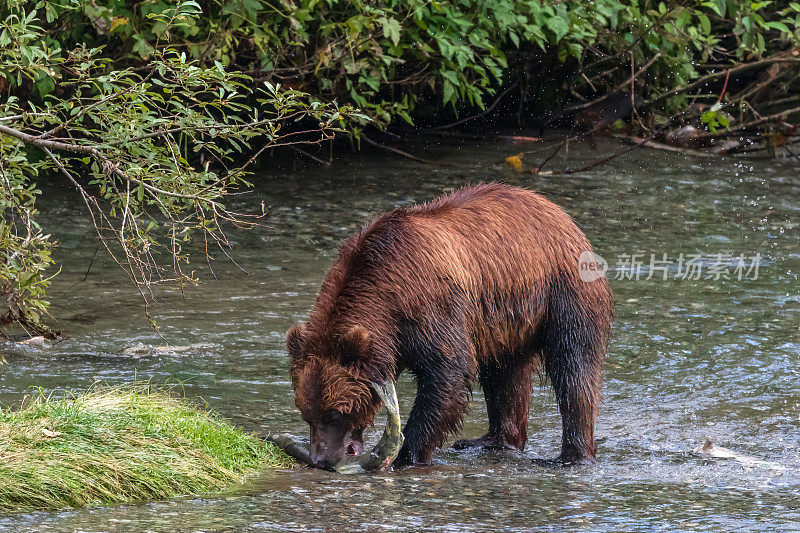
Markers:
576,388
507,388
573,356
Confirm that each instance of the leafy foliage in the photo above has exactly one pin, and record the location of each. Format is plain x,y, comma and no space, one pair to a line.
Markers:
25,250
150,149
389,56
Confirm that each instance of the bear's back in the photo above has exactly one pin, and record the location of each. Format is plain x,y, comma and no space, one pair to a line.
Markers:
490,238
495,235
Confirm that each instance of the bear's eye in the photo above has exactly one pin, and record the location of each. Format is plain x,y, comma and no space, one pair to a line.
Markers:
332,416
347,357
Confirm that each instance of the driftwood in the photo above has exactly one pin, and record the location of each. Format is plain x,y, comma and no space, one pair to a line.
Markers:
647,143
400,152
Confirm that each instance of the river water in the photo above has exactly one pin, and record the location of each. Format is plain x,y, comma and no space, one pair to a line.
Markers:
689,359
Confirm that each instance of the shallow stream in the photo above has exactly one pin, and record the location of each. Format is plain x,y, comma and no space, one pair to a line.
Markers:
689,358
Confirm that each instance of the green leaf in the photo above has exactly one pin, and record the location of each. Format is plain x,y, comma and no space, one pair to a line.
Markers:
391,29
575,50
717,6
448,92
705,23
45,84
775,25
558,26
141,46
451,76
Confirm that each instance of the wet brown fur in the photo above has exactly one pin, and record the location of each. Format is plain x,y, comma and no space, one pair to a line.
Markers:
480,283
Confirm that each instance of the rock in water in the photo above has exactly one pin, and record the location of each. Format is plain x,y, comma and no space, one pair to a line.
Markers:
138,348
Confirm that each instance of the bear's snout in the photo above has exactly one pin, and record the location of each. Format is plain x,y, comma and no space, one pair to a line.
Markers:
328,446
321,457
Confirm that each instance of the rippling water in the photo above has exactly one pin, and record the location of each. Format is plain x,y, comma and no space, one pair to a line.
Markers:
689,358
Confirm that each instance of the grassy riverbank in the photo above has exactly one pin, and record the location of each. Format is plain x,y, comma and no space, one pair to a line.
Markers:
120,445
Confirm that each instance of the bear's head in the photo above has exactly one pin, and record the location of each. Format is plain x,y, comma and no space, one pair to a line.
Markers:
331,392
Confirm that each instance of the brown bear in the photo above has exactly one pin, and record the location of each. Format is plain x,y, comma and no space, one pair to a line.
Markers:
485,283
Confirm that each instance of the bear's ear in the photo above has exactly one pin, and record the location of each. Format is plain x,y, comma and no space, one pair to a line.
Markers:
294,340
355,344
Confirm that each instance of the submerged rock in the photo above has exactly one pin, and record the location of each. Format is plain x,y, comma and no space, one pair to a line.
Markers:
138,348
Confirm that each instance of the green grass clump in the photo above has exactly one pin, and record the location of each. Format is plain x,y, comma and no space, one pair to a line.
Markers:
120,445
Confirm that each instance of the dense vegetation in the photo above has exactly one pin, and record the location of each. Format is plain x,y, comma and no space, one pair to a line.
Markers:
154,109
120,445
